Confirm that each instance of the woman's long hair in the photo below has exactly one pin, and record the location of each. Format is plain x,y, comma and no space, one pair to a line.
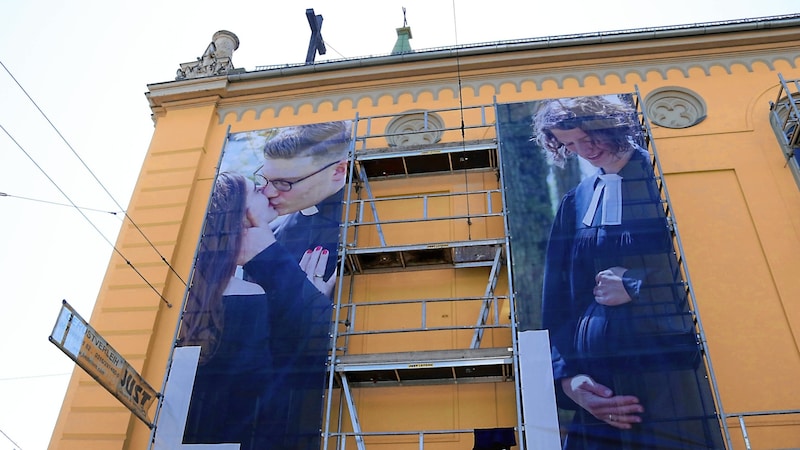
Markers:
216,263
604,118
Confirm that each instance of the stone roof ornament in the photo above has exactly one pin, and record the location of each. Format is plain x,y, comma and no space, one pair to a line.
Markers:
402,45
216,60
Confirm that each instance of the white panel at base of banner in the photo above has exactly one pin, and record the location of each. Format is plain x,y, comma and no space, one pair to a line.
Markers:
171,421
538,393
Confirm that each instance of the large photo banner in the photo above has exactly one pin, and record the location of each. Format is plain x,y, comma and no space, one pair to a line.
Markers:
257,316
594,265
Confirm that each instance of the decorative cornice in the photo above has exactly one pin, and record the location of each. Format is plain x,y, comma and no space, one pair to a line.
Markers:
472,85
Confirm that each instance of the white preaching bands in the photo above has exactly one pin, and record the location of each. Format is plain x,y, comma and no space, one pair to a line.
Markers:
609,186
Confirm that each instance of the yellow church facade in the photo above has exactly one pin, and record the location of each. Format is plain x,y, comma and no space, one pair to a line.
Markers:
427,347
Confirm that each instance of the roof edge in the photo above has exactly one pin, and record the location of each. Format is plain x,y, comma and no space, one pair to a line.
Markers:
602,37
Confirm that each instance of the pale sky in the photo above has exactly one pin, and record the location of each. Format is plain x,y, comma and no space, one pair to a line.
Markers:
87,64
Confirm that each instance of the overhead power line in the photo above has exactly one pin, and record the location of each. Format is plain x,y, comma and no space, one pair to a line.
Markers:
84,215
85,208
10,440
149,242
461,112
30,377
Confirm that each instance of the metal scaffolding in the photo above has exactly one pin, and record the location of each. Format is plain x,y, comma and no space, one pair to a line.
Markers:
785,120
390,233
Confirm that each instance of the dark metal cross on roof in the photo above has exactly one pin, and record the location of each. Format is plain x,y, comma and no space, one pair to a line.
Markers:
316,44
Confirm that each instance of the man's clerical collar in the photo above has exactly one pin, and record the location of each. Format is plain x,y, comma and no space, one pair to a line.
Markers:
310,211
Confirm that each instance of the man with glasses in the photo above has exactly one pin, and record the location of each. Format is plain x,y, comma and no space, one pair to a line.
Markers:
303,177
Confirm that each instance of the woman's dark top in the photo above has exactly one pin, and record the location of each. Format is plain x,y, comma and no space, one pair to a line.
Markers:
232,387
647,347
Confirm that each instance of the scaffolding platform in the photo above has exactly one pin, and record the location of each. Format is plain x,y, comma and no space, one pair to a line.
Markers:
454,254
428,159
427,367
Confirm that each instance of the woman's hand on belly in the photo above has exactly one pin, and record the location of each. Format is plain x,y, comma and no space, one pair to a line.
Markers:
619,411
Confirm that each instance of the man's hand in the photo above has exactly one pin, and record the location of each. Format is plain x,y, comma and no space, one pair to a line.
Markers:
619,411
609,289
